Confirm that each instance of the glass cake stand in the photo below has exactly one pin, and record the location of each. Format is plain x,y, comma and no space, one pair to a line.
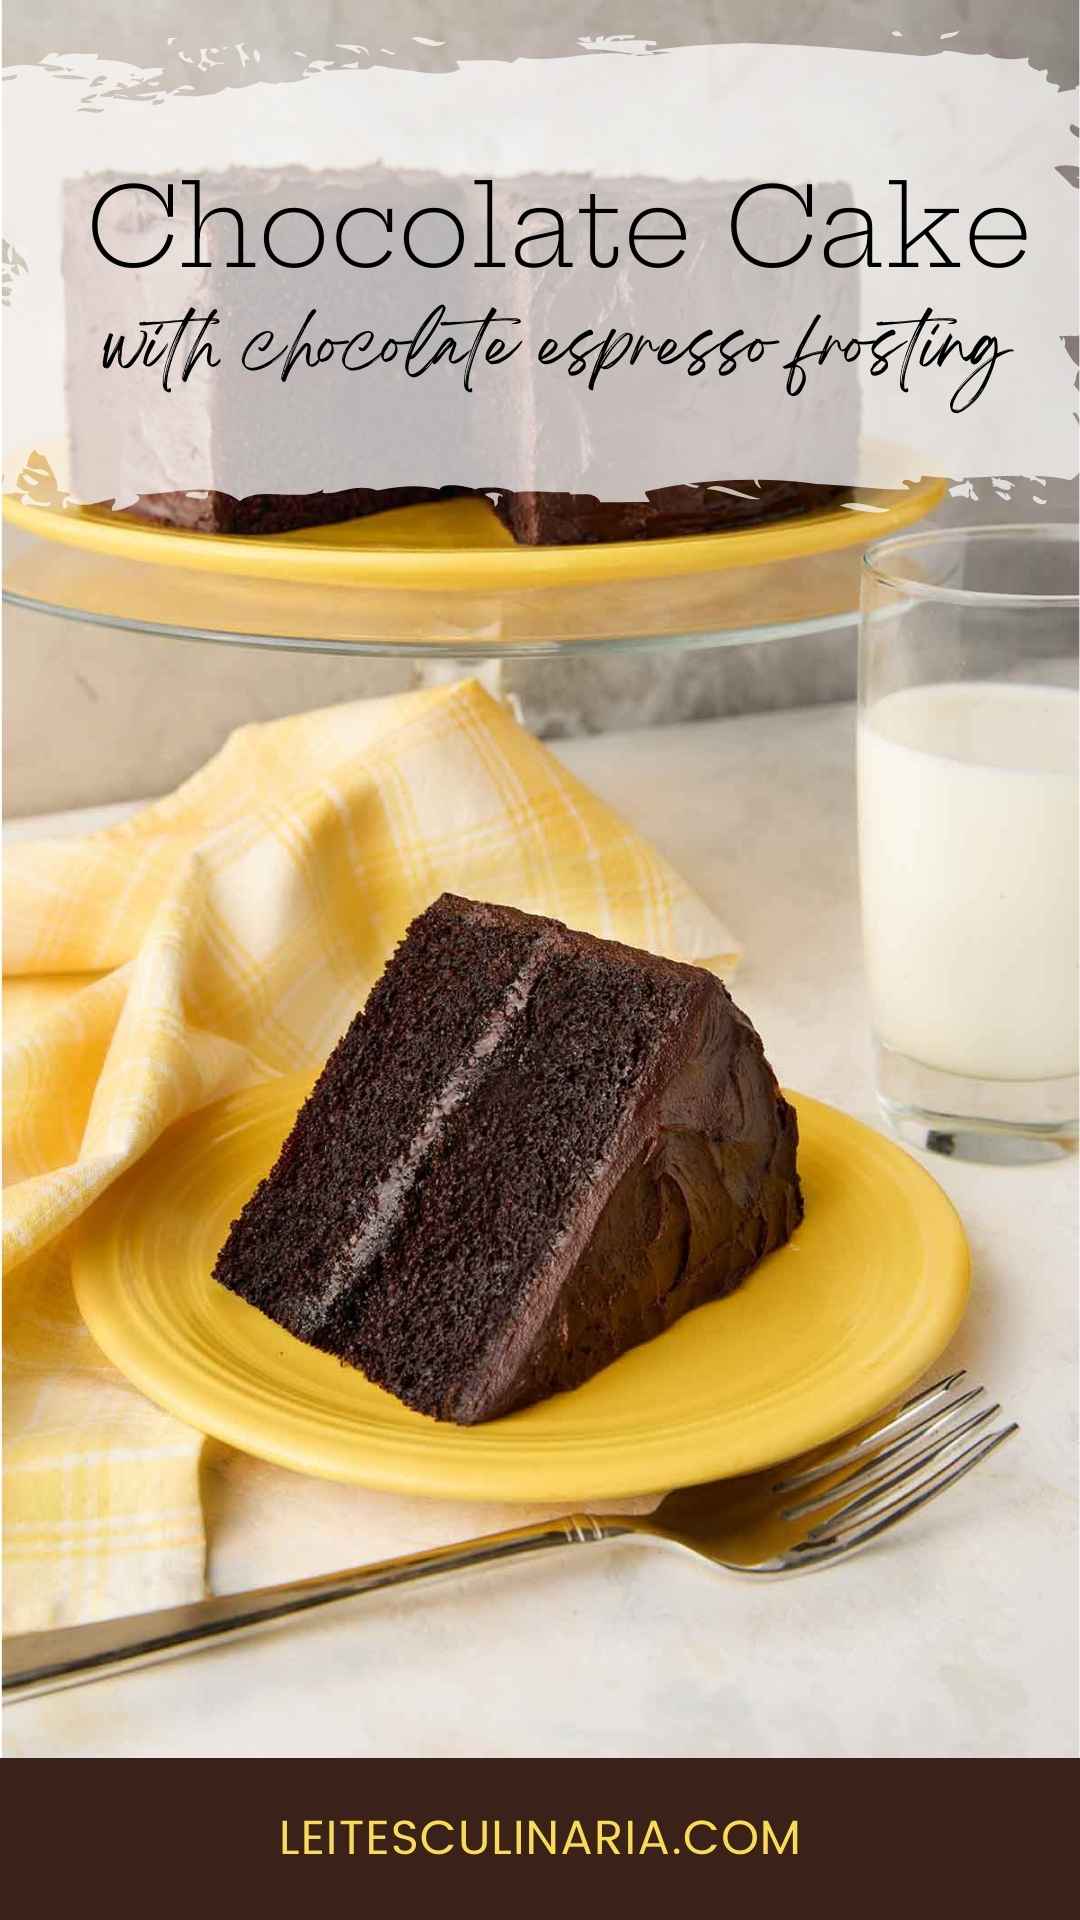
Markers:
445,583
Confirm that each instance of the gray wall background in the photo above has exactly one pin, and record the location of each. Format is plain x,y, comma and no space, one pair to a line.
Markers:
1044,33
93,714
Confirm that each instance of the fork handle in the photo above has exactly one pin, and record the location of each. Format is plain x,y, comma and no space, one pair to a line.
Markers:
36,1663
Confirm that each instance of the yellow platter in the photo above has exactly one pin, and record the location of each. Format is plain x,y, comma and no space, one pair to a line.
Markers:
821,1336
460,545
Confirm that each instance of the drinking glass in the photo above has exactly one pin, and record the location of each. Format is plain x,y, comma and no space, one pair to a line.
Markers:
967,774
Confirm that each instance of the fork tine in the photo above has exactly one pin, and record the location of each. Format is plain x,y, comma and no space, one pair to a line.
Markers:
893,1420
816,1552
910,1470
871,1470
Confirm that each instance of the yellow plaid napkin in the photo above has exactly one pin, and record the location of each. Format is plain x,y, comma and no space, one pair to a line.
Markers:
219,937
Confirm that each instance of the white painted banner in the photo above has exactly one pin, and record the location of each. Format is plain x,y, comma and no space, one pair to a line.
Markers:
788,262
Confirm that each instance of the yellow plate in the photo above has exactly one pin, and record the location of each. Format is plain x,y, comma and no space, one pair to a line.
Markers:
460,544
821,1336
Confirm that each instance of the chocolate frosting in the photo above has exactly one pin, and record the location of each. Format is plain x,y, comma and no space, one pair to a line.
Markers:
709,1186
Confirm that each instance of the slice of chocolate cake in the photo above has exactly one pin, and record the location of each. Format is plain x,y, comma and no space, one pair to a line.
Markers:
532,1150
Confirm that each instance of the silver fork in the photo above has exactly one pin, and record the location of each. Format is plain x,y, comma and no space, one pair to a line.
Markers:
812,1513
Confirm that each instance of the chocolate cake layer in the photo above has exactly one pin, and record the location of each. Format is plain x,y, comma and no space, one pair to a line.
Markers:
534,519
574,519
533,1150
277,512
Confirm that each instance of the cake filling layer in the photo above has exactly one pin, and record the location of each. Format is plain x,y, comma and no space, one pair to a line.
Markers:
391,1192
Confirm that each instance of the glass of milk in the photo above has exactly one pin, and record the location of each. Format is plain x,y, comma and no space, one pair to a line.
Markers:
967,770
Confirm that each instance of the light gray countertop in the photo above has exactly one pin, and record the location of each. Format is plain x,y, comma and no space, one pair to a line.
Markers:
956,1636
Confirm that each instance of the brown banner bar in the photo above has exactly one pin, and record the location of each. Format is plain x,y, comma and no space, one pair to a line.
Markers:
864,1834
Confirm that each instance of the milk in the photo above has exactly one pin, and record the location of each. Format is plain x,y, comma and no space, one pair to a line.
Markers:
968,849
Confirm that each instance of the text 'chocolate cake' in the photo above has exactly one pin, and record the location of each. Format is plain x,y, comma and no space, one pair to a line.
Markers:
531,1151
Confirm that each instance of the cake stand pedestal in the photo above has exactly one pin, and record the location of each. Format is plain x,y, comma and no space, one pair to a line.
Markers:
445,585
